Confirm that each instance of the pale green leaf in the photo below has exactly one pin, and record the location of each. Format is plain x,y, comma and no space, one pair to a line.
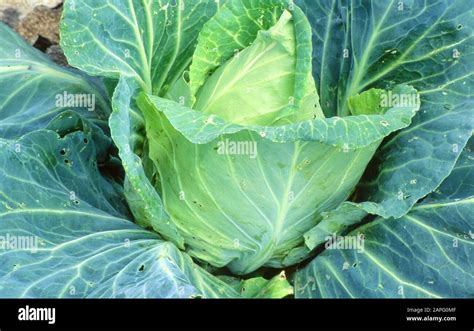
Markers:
233,28
144,201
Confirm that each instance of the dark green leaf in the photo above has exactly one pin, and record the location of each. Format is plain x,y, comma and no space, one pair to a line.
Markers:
426,253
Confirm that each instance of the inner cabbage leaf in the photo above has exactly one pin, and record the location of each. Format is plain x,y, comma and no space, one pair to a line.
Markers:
257,85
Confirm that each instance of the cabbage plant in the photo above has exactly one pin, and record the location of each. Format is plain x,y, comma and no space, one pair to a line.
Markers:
241,148
247,212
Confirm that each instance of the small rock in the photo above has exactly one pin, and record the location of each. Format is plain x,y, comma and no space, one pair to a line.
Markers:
10,16
42,21
24,7
56,54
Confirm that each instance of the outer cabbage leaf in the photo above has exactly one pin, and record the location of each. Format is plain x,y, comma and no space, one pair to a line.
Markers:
336,221
150,41
330,47
148,44
81,243
424,44
344,132
143,200
426,253
30,85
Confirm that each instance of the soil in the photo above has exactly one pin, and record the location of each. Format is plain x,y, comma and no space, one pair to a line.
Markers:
37,22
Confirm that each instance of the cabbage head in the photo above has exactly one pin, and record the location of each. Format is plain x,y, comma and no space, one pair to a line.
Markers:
243,156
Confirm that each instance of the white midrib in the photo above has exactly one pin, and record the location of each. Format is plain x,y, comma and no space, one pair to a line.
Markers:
165,73
360,67
267,252
142,49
